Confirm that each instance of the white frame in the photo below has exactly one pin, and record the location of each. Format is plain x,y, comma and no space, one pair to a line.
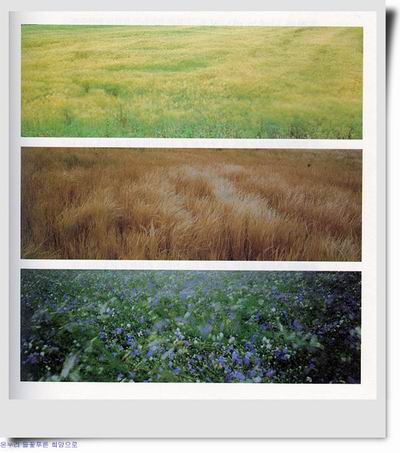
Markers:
278,412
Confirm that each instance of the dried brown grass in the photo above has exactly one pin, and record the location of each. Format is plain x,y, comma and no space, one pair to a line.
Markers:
191,204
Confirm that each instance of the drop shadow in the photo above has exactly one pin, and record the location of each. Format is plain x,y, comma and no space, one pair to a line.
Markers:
391,18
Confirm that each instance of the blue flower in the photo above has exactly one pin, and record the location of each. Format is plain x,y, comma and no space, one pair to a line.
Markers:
152,350
205,330
238,375
282,354
265,326
135,352
297,325
246,359
33,358
179,334
270,373
236,357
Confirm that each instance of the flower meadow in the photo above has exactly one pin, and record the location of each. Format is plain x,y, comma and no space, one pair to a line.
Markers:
190,326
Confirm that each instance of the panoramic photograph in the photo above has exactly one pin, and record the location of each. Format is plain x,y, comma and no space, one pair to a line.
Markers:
190,326
191,204
192,81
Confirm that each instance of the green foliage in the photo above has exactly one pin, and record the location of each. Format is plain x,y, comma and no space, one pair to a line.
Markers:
171,326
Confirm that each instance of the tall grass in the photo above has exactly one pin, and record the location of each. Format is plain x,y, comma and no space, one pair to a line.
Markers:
191,204
164,81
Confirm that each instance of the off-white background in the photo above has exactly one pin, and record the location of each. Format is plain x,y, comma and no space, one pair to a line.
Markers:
392,444
295,419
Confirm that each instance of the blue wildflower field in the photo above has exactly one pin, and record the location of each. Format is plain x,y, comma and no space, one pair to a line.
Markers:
190,326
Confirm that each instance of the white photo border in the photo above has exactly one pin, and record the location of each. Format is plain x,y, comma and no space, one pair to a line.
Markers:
367,388
366,391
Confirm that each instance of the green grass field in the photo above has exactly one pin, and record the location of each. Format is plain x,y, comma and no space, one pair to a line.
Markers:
191,81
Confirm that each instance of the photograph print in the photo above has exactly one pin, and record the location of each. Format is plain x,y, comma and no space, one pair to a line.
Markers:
211,204
191,204
190,326
182,81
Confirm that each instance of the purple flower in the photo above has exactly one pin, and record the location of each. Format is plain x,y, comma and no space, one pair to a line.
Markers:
297,325
282,354
238,375
270,373
153,348
236,357
33,358
265,326
135,352
205,330
178,334
246,359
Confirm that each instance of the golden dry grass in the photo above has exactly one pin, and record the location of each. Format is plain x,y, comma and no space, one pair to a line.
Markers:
191,204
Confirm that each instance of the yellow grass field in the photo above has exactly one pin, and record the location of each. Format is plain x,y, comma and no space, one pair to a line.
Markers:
192,81
191,204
